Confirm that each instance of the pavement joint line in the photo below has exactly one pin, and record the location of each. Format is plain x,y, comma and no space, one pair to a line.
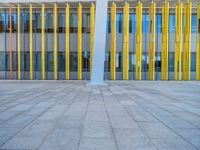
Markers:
54,127
28,124
117,146
82,128
135,121
165,124
169,111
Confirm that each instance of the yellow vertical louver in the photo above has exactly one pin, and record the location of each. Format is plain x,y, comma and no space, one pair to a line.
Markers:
165,38
126,42
113,43
178,42
138,67
187,41
151,51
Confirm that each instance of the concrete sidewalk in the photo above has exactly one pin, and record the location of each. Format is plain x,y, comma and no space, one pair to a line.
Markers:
68,115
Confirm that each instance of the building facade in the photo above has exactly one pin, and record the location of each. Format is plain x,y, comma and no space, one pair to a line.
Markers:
143,41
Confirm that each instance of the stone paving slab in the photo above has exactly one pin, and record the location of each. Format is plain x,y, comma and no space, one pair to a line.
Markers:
125,115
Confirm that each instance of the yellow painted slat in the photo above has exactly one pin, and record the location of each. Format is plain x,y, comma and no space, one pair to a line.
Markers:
198,44
31,41
43,43
187,41
138,70
91,34
165,38
55,40
19,41
113,43
79,41
126,42
178,41
67,51
152,16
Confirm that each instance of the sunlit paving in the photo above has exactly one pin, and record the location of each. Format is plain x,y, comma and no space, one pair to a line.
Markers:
69,115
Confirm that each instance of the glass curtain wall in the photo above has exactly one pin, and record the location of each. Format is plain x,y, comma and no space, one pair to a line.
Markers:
36,23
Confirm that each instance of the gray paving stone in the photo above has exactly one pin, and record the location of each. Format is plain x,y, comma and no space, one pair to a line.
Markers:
62,140
191,135
172,144
122,116
22,143
123,123
96,116
7,133
97,130
138,143
157,130
97,144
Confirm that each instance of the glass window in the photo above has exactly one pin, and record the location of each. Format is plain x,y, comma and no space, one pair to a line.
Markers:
119,61
119,22
193,61
73,23
2,20
26,61
38,61
199,26
50,61
194,22
73,61
50,23
158,62
132,61
61,23
158,23
86,23
171,62
14,67
132,23
61,61
34,61
172,23
7,61
86,61
34,22
2,61
144,61
107,62
38,23
26,22
14,22
108,23
145,23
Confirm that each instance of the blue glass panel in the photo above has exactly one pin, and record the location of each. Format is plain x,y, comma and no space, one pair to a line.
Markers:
193,61
194,23
132,23
108,23
158,23
171,23
119,22
145,23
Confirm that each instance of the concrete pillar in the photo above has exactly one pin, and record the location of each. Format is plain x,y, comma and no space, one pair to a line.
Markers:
99,43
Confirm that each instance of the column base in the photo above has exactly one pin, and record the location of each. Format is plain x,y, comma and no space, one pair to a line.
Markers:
97,84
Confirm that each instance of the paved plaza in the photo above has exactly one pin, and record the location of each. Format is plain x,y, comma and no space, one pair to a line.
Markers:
69,115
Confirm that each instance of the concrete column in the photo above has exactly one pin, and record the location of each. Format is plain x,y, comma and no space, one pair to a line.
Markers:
99,43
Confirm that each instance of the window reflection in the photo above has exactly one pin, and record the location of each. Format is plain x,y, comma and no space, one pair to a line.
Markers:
119,22
2,20
86,23
49,23
14,22
61,23
73,23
